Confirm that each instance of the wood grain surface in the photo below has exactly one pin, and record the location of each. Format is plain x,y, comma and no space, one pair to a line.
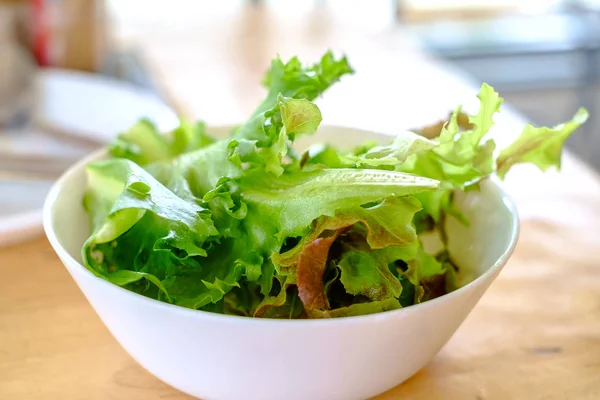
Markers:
534,335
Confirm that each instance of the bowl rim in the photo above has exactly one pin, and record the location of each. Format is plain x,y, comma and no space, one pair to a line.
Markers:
69,261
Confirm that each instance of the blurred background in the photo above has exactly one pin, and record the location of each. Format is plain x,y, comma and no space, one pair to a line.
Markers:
73,73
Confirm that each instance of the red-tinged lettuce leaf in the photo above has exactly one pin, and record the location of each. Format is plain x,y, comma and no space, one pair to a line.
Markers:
298,116
433,131
389,223
283,207
541,147
432,287
310,270
386,234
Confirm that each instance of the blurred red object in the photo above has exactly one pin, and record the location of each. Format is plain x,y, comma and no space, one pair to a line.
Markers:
68,34
40,34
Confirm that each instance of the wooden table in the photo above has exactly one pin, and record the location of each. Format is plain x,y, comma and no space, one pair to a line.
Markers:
534,335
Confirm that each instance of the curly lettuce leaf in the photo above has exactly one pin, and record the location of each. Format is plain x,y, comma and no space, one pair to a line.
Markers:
217,275
292,79
541,147
462,157
286,111
142,230
264,142
459,146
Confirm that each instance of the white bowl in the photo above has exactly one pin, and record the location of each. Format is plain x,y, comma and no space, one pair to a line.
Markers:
214,356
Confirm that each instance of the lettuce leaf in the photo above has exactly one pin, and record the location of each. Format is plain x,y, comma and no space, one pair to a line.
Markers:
310,270
462,157
285,198
541,147
141,227
292,79
366,272
265,141
143,144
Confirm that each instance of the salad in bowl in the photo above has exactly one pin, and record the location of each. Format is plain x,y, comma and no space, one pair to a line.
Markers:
244,224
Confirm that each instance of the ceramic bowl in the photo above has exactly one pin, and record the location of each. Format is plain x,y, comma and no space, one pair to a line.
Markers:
213,356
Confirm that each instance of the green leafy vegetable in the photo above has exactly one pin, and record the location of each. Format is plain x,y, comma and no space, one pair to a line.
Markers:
264,142
539,146
243,226
294,80
143,144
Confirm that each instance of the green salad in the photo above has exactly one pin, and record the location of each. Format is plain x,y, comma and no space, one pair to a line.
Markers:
247,226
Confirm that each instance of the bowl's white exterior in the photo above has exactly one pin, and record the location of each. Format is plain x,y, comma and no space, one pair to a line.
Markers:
224,357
